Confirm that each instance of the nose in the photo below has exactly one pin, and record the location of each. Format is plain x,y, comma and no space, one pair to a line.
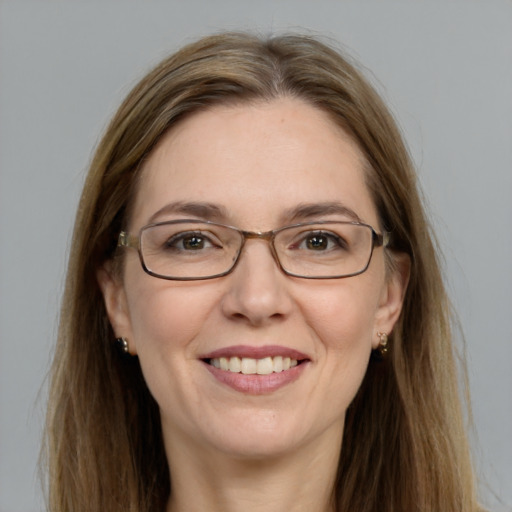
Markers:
258,292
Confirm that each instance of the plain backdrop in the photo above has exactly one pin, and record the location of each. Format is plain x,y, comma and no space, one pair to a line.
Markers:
445,67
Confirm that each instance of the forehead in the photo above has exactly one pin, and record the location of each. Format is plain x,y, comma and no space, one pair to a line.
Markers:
256,162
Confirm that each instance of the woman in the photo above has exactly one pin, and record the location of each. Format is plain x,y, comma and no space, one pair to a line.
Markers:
254,316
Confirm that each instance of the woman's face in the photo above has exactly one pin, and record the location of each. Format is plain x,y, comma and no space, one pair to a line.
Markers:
256,167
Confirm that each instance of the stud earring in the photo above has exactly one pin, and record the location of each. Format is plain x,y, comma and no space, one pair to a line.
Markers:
122,344
383,345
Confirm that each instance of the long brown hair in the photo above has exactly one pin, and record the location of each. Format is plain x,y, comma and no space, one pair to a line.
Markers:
404,446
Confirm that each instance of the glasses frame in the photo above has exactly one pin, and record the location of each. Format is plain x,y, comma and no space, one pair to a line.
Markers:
134,242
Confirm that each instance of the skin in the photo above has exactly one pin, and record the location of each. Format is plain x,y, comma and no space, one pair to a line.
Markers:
256,162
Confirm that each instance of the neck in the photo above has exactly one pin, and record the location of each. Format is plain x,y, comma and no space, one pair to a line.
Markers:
299,481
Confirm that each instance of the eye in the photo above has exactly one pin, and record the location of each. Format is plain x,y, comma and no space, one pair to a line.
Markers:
321,241
317,242
190,241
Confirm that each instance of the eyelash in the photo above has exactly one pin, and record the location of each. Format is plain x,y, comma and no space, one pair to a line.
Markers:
331,238
172,243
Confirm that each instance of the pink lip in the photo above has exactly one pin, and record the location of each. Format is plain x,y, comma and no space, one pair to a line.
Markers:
256,352
257,384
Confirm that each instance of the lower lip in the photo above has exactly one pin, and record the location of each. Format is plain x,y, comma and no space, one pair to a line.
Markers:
257,384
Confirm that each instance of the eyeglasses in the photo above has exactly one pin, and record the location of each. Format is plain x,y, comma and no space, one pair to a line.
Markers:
187,250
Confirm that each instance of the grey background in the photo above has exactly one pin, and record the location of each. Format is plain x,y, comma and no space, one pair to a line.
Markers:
445,67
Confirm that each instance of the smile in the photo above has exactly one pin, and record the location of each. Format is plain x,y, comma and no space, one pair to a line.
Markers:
250,366
256,370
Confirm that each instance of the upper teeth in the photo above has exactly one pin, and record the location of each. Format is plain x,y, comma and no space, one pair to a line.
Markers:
249,366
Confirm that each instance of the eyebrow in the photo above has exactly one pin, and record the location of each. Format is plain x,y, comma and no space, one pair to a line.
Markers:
216,213
308,211
202,210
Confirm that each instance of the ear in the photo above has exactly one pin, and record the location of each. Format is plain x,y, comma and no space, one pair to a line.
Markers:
392,297
116,303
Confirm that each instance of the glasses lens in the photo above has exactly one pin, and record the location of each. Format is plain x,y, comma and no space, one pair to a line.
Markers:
331,249
189,250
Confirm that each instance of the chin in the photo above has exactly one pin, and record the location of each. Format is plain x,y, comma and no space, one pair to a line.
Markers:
268,435
257,448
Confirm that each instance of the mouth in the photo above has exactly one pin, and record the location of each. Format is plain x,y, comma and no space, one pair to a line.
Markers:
256,370
251,366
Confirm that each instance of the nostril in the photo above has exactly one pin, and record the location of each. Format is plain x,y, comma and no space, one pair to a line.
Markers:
257,291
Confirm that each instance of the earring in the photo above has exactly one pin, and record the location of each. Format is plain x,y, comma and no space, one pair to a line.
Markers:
122,344
383,345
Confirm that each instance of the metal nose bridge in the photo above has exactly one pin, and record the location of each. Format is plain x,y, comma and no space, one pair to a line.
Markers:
268,236
263,235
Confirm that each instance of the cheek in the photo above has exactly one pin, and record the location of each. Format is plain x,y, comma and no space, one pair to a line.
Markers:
167,319
343,315
341,321
165,316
